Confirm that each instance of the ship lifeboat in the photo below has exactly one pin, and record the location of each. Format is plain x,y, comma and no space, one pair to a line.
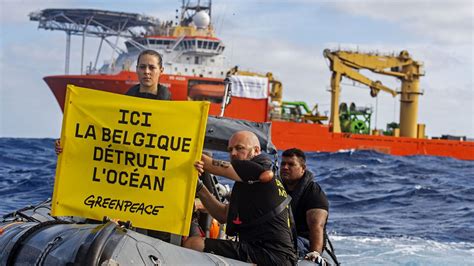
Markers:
208,92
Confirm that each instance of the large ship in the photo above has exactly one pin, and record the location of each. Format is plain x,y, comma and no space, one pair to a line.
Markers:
196,69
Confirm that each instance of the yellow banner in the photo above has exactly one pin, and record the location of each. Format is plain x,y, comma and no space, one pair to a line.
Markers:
129,158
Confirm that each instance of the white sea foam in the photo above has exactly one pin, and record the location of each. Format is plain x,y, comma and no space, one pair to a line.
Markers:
352,250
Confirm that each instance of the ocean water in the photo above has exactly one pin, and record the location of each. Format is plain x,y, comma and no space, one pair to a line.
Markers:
384,210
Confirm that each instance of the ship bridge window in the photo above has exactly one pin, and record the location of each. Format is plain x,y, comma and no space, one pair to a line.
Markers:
199,44
215,44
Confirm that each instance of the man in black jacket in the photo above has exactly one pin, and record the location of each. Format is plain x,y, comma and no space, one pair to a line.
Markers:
309,205
257,212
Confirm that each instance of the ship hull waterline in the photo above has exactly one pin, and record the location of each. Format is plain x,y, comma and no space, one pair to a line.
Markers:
285,134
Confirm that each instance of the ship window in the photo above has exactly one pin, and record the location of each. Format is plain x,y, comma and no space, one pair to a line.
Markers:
212,60
175,69
193,70
196,60
210,72
222,73
199,44
215,45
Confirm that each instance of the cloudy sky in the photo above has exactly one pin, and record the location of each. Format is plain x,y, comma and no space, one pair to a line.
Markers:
283,37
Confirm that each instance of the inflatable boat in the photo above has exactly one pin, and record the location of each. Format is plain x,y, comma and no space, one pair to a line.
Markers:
31,236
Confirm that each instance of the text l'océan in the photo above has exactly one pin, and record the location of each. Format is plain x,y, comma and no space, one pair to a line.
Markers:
131,179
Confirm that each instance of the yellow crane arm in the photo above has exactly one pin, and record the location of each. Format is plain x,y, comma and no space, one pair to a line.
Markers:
339,66
347,64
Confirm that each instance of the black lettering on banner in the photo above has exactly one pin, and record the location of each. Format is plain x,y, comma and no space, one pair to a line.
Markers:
94,175
134,207
98,201
145,123
134,179
141,139
138,141
165,158
127,205
130,179
90,132
128,158
133,117
186,144
111,176
124,112
141,208
97,154
125,138
175,146
117,136
108,154
163,142
153,161
123,178
106,134
150,141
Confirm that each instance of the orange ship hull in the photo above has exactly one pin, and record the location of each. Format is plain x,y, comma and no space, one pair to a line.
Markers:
315,137
309,137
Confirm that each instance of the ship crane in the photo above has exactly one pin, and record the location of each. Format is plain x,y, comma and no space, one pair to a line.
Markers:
348,63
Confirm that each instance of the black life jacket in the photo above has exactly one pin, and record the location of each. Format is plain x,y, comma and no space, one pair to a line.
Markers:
163,93
254,204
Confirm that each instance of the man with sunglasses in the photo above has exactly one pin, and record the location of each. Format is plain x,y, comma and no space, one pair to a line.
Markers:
309,204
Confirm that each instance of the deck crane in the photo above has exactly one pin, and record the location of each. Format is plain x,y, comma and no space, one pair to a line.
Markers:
403,67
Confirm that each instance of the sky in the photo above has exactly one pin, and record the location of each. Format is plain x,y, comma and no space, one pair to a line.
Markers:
286,38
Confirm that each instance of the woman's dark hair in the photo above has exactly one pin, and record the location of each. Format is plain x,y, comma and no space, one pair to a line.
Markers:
151,52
